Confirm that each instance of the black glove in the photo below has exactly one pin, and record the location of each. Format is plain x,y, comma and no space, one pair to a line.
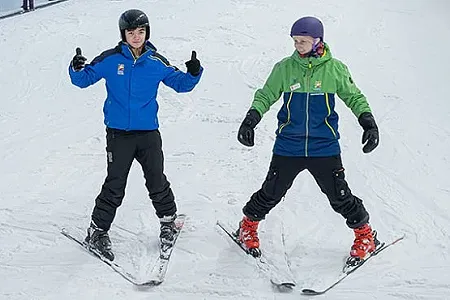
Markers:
193,65
246,134
370,134
78,60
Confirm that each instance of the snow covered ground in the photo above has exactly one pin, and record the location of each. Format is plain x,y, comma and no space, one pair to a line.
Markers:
11,5
52,157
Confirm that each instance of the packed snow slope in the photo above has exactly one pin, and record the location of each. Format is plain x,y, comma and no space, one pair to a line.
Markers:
53,162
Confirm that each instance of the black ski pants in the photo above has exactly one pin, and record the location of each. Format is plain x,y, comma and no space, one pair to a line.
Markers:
329,175
25,5
122,148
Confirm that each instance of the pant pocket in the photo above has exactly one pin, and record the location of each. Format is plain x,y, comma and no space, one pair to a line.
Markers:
341,187
110,140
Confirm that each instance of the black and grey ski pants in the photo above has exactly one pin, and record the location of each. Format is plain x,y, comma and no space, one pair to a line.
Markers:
122,148
329,175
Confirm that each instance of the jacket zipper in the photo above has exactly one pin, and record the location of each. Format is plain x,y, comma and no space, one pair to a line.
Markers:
129,88
307,107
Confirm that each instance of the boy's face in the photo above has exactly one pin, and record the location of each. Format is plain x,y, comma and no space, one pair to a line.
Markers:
303,44
135,37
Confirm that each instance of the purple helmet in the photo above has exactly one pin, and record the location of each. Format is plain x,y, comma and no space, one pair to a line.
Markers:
309,26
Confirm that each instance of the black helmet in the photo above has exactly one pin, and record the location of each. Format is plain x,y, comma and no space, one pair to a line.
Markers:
132,19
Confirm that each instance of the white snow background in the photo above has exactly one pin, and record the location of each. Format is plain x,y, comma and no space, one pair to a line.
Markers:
12,5
53,162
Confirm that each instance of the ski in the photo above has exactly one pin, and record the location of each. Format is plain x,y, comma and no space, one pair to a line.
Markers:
262,264
159,269
165,252
114,266
348,271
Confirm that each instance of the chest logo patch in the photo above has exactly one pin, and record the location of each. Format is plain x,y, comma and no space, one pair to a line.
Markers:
120,69
318,85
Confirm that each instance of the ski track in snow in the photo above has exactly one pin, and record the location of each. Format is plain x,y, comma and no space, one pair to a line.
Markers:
53,161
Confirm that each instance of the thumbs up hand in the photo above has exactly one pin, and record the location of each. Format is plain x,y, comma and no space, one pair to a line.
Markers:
78,60
193,65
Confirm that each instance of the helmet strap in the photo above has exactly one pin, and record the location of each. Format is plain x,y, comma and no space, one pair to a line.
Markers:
318,49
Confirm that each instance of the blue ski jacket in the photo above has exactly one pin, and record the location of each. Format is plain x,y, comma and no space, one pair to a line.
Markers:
132,85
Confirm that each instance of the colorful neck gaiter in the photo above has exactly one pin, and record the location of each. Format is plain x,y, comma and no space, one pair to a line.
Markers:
317,50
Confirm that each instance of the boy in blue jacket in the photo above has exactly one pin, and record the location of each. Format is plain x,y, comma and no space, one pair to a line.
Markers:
133,71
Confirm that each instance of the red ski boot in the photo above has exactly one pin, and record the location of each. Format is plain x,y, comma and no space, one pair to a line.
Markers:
248,236
365,242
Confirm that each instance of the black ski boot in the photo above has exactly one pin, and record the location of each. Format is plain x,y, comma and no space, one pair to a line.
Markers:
168,230
98,240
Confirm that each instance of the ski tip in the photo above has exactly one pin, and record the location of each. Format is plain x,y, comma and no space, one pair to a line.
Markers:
284,289
288,284
310,292
283,286
399,238
150,283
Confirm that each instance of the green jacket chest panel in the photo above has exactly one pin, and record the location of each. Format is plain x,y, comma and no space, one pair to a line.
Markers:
318,79
324,75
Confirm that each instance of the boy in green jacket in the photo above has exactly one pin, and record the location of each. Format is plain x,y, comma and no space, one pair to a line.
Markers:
307,135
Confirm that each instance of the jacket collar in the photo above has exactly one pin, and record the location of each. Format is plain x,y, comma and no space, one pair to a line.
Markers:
149,48
308,62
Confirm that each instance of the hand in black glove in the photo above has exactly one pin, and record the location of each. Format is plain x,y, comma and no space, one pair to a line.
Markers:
78,60
246,134
193,65
370,134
